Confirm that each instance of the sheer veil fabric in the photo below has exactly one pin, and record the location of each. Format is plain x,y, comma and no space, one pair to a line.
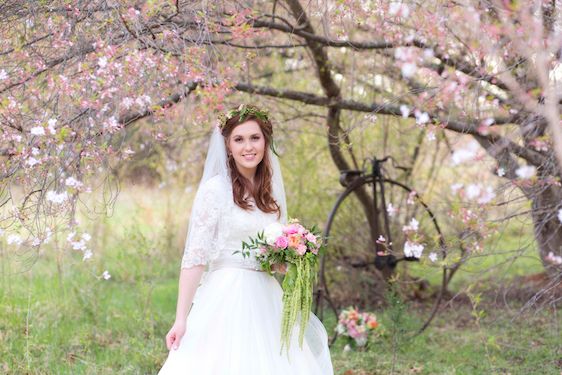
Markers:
234,324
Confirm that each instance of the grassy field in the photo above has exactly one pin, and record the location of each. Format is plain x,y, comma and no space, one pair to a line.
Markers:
59,316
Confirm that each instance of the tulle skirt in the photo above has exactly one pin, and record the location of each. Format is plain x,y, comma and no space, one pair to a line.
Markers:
234,328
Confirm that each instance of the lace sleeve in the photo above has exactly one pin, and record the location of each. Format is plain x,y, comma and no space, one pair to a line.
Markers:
201,242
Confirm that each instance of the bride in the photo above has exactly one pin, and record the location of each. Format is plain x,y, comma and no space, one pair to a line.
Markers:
234,325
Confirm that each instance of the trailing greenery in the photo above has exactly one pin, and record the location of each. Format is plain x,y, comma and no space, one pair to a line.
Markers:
297,296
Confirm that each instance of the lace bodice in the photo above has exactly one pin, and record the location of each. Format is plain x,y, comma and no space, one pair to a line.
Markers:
219,226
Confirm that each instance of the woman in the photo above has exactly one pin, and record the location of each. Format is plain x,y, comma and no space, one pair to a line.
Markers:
234,324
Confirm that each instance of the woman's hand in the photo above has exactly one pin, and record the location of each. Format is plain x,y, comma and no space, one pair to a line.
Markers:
175,334
280,268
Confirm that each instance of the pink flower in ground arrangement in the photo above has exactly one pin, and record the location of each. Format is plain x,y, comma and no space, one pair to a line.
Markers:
357,326
353,332
282,242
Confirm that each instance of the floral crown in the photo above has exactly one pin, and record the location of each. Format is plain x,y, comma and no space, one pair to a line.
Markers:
243,111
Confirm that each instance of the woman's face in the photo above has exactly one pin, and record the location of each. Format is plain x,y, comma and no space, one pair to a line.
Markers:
247,145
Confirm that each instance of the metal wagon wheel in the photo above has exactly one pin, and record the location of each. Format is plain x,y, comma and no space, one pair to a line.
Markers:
359,263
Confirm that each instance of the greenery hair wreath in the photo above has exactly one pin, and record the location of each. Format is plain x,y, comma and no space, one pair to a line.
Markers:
244,111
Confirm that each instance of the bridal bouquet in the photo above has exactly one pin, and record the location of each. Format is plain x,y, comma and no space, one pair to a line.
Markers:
298,248
356,326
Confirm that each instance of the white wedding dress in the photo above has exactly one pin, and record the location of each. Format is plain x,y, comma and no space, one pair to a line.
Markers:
233,327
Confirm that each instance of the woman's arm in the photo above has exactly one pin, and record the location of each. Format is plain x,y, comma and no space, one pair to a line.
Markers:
189,281
188,284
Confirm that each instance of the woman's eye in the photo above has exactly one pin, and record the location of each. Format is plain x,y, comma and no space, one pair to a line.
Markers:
256,138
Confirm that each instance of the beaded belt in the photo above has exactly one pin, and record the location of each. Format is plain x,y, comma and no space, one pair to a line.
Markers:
234,263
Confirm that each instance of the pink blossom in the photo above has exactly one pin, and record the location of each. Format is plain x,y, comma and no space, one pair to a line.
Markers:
102,62
37,130
398,9
281,242
556,259
51,126
421,117
526,172
133,13
408,69
405,111
468,154
412,227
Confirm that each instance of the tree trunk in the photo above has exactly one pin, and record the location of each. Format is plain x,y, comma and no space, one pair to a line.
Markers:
547,226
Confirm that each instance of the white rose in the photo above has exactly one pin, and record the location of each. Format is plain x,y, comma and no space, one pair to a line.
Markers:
272,231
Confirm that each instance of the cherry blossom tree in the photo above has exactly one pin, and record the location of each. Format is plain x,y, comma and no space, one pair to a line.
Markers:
75,75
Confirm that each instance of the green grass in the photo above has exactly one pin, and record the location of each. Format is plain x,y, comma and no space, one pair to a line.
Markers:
60,317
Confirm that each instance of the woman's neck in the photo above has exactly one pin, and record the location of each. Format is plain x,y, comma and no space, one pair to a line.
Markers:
248,175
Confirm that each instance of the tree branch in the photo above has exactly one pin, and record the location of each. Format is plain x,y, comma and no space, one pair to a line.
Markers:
131,117
466,126
457,64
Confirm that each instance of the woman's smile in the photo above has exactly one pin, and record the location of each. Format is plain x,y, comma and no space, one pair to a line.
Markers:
249,157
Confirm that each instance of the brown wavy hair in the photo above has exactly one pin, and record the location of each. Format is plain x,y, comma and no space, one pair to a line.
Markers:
261,191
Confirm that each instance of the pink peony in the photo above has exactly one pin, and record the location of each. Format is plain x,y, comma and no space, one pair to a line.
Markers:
281,242
291,229
301,249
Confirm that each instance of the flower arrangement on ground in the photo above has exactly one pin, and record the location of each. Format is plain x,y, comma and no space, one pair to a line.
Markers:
356,326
